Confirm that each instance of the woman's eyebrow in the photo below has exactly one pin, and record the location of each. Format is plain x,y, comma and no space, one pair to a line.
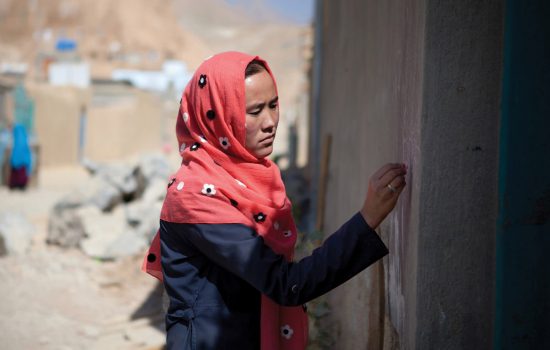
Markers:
255,105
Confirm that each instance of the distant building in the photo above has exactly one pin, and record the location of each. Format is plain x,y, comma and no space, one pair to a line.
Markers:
171,79
68,69
69,74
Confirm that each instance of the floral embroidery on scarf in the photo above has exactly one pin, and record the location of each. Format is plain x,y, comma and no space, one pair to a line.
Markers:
224,142
202,81
260,217
180,186
195,146
287,233
182,147
203,139
211,114
208,190
286,331
171,182
185,117
276,225
240,183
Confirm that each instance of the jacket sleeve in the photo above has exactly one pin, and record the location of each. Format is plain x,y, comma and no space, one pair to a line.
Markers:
240,250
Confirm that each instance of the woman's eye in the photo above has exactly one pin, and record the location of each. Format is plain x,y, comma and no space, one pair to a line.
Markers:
255,112
273,106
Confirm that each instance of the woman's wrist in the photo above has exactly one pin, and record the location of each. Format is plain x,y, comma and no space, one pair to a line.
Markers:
372,222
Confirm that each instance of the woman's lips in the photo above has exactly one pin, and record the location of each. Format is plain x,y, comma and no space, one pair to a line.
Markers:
268,139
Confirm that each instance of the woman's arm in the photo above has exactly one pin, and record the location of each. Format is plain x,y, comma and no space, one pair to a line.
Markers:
243,252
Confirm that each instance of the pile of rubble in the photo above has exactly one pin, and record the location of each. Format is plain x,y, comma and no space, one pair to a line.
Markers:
116,213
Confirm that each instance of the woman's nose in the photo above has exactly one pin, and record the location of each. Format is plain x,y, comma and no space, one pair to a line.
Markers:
270,120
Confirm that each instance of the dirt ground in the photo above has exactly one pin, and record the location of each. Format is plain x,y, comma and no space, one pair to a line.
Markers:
52,298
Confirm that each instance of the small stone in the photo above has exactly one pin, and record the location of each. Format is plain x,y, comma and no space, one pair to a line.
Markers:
16,233
90,331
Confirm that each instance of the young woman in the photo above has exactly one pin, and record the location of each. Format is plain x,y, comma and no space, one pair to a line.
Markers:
225,245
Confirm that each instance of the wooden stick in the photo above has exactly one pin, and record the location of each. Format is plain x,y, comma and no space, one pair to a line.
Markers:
323,179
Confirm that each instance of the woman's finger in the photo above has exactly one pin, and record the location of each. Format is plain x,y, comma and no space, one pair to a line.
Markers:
398,181
395,187
390,175
384,169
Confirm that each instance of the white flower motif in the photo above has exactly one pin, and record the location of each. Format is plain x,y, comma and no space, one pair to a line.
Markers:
276,225
286,332
180,186
195,146
185,117
182,147
240,183
208,189
224,142
287,233
203,139
260,217
202,81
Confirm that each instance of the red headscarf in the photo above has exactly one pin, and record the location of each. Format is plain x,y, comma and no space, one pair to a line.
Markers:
220,181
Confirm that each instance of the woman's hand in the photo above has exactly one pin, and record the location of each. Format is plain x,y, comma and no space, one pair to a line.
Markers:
385,186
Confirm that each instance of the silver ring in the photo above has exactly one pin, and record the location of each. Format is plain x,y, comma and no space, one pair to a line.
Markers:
391,188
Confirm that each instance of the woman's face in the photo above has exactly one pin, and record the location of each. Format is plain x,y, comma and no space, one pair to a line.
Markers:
262,113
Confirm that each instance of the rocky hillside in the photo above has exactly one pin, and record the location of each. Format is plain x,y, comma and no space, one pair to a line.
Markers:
138,33
142,33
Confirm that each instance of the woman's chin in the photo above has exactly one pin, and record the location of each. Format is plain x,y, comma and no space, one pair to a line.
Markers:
264,151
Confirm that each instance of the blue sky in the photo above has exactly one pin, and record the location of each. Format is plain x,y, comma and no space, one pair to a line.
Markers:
298,11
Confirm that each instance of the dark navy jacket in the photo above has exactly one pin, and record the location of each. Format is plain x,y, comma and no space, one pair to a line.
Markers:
214,275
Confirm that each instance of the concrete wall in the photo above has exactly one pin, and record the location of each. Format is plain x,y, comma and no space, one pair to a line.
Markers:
416,82
122,129
370,103
129,123
458,200
57,111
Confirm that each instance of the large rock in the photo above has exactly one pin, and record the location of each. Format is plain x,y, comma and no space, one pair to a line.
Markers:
108,236
128,243
154,166
155,190
91,166
103,194
144,214
144,217
16,233
123,177
65,227
116,212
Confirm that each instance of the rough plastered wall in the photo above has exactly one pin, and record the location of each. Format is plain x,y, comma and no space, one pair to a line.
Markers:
114,131
124,129
460,126
370,102
417,82
57,112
